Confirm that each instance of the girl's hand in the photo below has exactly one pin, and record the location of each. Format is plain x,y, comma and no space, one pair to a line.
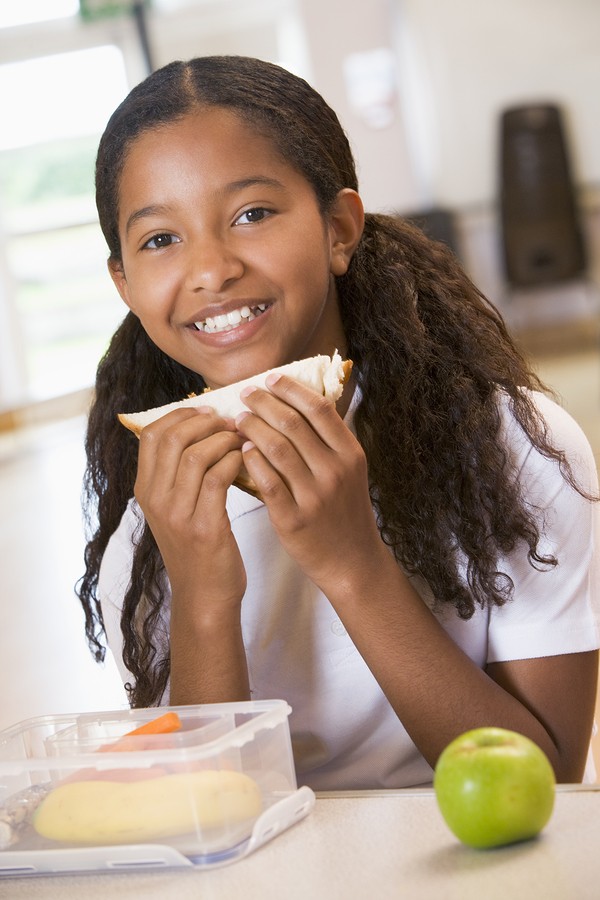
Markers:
187,461
312,474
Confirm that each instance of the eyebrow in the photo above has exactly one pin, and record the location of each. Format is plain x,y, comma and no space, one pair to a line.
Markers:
143,213
231,188
234,186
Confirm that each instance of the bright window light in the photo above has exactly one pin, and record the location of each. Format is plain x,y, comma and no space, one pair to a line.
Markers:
66,95
27,11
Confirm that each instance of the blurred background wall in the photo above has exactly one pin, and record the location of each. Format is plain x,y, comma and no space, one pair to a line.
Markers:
419,85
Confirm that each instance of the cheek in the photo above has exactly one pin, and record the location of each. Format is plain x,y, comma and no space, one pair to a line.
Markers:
314,275
149,293
309,259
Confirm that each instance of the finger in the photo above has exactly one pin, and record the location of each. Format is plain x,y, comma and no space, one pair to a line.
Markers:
184,413
276,484
319,411
162,443
293,453
200,475
275,452
177,502
287,439
203,515
218,480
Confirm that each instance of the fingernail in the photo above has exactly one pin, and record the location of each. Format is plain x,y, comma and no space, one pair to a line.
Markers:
239,418
245,392
247,445
272,379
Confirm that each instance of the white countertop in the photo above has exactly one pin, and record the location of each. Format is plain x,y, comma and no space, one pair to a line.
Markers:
371,846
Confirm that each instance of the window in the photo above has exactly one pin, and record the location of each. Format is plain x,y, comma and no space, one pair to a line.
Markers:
26,11
59,82
65,305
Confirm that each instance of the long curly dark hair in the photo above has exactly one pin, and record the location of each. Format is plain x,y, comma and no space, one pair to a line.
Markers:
431,356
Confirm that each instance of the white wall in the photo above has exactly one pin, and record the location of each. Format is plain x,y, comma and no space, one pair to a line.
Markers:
212,27
459,64
472,59
336,30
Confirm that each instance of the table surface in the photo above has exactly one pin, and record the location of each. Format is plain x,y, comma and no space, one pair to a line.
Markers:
372,846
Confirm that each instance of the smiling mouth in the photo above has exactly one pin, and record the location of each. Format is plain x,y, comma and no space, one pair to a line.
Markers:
229,321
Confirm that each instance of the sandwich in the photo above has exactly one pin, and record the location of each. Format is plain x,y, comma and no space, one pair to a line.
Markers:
326,375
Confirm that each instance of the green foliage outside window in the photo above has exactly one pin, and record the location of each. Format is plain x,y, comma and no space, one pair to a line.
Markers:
96,9
47,172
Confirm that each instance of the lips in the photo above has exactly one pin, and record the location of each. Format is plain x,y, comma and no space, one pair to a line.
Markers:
230,320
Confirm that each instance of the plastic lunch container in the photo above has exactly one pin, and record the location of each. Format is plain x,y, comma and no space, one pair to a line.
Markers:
77,794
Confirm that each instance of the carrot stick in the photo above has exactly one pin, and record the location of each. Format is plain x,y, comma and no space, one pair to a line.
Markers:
163,725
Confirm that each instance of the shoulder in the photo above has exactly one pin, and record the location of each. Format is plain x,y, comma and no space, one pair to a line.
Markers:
564,434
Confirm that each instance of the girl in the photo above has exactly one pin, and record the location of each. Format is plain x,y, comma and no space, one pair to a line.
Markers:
421,564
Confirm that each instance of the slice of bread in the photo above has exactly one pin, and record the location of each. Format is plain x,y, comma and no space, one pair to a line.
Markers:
326,375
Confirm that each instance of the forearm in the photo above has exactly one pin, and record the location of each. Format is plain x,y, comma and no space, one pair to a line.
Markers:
208,659
436,690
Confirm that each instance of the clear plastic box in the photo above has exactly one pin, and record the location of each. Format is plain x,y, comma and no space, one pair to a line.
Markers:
77,794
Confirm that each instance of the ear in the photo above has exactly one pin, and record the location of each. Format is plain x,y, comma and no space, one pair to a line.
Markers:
346,223
117,273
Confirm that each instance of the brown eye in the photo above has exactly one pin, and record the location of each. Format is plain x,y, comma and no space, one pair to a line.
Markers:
256,214
160,240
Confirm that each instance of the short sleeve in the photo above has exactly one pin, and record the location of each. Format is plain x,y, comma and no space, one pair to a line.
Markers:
555,608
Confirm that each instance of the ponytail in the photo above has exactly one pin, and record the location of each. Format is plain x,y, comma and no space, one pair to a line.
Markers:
431,355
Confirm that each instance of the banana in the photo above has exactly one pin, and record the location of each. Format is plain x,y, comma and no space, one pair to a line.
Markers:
111,812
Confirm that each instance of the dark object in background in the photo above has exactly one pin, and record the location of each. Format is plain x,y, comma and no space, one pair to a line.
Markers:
437,224
542,239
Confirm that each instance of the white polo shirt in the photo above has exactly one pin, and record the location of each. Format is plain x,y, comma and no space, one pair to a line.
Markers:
345,734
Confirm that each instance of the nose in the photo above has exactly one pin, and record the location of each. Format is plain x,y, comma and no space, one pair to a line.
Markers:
212,263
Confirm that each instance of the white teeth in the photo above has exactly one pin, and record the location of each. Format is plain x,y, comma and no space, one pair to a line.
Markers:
230,320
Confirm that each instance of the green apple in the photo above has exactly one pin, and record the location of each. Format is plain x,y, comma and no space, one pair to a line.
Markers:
494,787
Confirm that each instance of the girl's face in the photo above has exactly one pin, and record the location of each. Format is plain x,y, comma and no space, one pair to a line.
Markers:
227,260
